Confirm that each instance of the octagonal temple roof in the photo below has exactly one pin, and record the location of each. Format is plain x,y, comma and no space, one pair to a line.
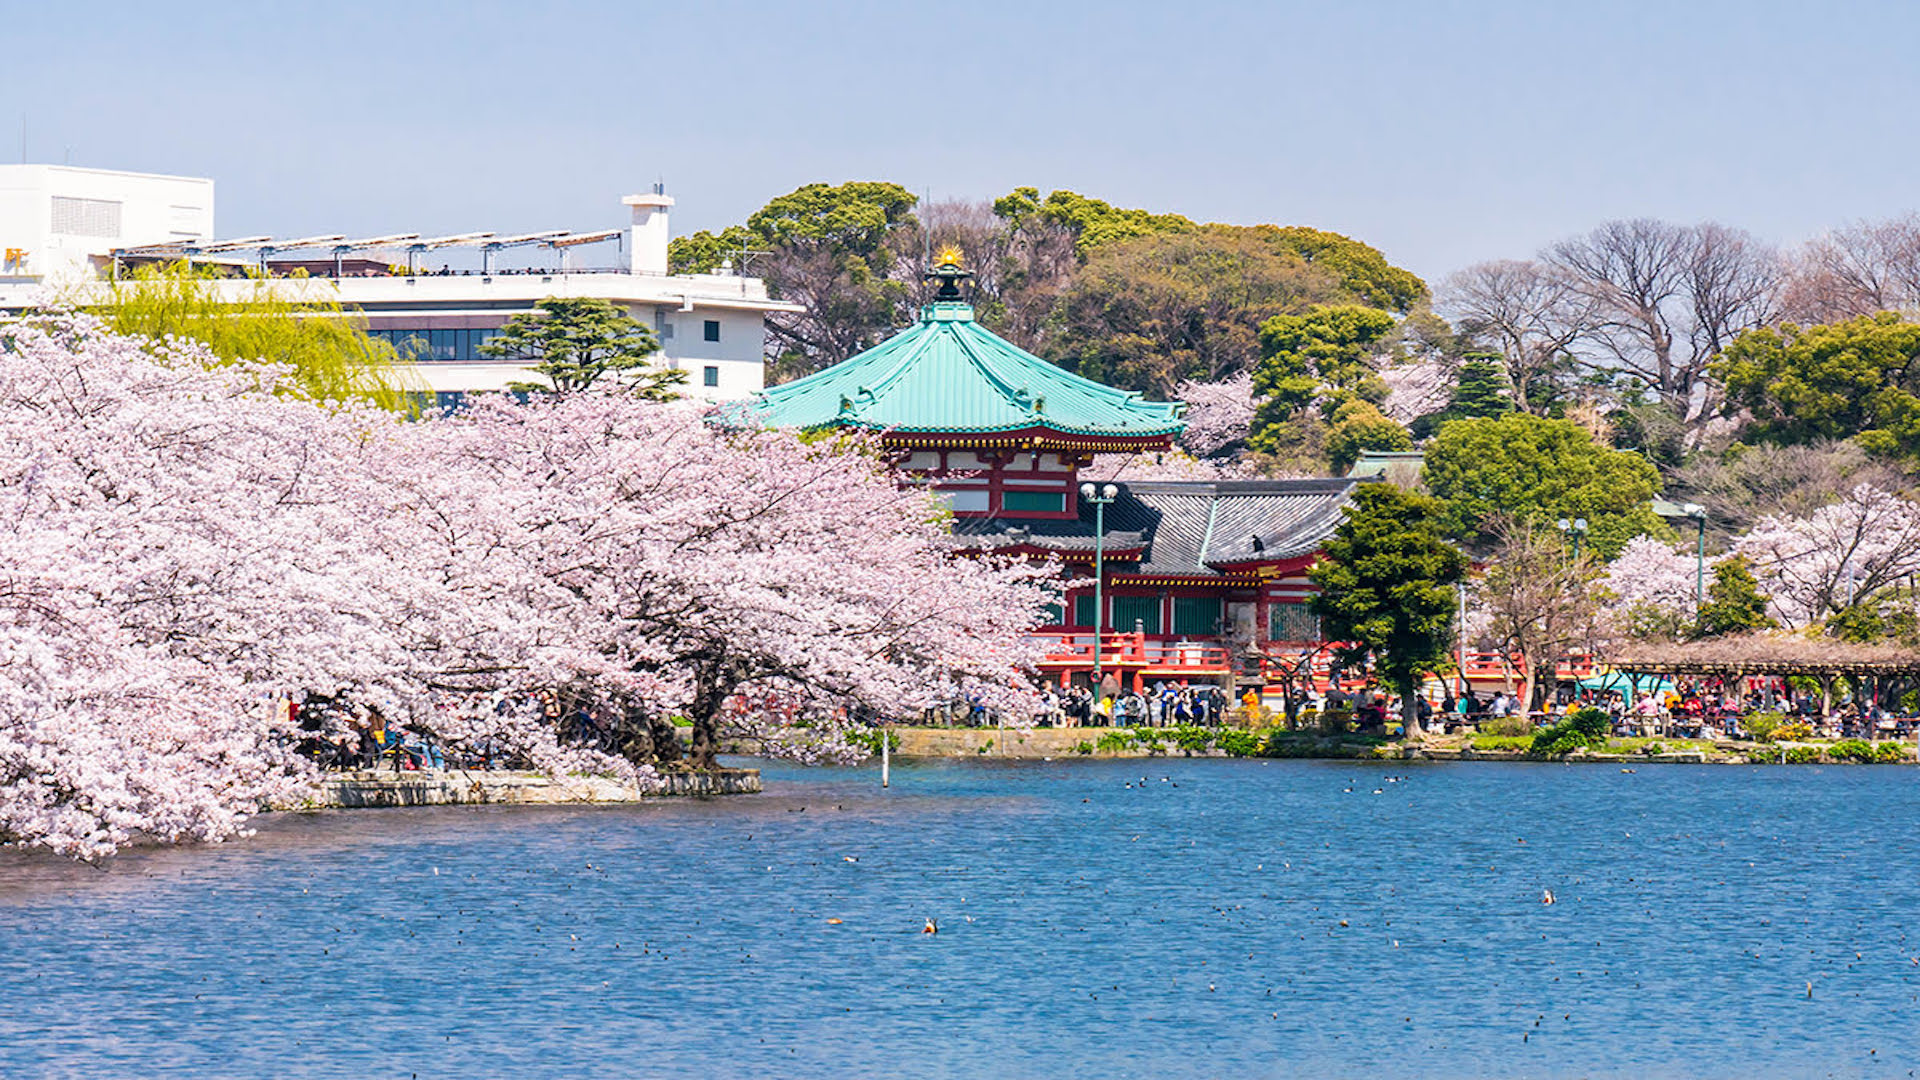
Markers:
947,377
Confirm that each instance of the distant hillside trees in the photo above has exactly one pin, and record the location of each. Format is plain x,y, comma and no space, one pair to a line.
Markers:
1133,298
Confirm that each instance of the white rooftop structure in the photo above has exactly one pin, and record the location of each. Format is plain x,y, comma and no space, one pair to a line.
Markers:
58,222
710,325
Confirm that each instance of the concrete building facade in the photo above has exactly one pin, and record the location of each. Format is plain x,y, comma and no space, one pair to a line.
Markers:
59,224
66,230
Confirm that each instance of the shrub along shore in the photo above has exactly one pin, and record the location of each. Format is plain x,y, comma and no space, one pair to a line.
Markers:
1560,742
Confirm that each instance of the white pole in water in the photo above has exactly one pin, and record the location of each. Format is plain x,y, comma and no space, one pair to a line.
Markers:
886,754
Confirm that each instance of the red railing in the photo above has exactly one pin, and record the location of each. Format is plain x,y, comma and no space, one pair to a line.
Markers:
1138,651
1279,661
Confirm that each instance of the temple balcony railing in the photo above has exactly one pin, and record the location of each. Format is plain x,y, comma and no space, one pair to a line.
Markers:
1138,651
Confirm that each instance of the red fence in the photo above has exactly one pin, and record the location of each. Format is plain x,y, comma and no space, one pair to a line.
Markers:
1137,654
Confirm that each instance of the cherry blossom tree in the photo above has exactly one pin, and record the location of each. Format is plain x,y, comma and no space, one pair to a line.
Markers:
1219,414
1820,564
1651,588
758,583
182,544
168,563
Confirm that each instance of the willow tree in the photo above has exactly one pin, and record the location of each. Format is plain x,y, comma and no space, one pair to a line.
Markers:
298,322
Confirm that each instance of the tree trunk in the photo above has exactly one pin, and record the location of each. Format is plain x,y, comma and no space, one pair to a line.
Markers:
644,737
711,687
1410,709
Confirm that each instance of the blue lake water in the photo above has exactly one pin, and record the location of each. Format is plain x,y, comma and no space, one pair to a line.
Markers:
1215,919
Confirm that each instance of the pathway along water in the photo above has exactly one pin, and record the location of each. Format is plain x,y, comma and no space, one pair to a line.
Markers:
1097,918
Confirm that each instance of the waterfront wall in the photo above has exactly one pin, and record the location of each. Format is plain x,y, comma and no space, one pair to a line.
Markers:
379,788
1001,742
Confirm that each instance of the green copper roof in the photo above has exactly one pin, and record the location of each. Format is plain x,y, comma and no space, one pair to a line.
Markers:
947,373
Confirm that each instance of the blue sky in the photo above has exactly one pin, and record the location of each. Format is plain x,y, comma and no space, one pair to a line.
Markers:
1443,133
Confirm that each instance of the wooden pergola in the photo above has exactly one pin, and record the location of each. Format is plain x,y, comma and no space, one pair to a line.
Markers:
1764,654
1769,655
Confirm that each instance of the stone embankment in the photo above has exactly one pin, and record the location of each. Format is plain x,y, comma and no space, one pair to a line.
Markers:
383,787
998,742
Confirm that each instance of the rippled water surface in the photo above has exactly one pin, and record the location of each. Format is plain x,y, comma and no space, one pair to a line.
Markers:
1164,918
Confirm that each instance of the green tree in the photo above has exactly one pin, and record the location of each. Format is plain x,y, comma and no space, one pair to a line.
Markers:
1151,312
577,341
1091,222
1855,379
1321,357
1358,426
298,322
1361,269
704,252
1386,587
1538,469
826,248
1734,602
1479,390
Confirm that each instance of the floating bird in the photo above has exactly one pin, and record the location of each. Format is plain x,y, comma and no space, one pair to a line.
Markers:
851,858
1546,896
931,927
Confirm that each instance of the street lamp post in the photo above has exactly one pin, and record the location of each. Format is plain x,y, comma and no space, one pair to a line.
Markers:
1099,496
1578,528
1699,514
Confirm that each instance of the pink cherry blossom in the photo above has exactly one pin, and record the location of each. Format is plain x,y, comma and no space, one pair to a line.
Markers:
1814,566
185,542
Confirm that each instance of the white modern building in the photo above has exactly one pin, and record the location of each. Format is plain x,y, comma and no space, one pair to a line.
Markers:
58,224
712,326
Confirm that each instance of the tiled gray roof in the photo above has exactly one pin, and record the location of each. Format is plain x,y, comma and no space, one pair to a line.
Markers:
1190,527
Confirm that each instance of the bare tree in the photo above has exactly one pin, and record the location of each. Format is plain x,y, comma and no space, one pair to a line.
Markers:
1864,268
1539,601
981,237
1774,481
1531,313
1667,298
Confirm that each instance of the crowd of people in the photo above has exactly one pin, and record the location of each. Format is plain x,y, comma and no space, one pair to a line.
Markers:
1166,703
1699,710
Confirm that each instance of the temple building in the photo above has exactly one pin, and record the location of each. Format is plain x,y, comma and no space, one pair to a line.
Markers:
1198,580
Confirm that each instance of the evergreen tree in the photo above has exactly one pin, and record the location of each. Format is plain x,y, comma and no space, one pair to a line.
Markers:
577,341
1358,427
1386,586
1734,602
1324,358
1479,390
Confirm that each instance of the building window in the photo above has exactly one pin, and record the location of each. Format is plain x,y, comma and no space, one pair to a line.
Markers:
713,330
711,376
966,501
1196,616
1042,502
1055,615
1144,610
1292,622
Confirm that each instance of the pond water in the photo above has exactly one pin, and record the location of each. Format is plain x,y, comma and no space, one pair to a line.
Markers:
1146,918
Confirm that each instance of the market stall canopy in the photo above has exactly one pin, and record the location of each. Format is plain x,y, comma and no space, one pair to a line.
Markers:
1624,683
